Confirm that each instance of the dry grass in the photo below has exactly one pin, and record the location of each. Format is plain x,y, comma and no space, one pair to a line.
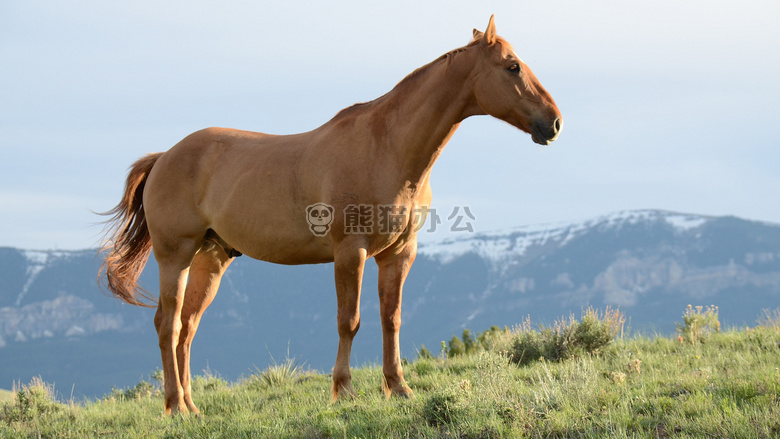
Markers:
6,395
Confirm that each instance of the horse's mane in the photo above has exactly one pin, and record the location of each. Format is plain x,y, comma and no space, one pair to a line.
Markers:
405,83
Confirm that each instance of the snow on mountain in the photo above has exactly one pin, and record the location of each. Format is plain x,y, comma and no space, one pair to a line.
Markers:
36,262
638,260
512,243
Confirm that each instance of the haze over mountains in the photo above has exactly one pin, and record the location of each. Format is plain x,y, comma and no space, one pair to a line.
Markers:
55,322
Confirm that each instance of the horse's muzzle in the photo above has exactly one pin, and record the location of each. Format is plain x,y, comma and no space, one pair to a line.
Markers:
544,133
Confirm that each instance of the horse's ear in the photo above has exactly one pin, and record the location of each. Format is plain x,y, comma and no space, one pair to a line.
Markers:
478,34
490,32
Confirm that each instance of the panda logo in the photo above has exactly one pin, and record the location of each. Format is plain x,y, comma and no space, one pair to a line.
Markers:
319,216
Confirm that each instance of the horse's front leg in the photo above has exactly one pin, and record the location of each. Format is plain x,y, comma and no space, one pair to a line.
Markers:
393,268
349,261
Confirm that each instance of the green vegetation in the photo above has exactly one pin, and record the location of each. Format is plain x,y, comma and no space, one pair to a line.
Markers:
6,395
715,383
698,324
567,339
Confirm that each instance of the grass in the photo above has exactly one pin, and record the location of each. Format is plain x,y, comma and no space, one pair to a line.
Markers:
6,395
727,384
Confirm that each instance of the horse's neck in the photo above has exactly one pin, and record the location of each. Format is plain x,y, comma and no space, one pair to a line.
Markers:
422,115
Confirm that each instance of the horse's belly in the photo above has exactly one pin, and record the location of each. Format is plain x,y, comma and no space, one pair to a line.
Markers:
283,254
280,245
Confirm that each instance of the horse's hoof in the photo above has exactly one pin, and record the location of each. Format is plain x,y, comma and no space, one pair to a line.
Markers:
403,392
399,388
343,391
174,409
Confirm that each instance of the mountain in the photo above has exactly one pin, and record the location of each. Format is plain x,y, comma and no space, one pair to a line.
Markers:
56,323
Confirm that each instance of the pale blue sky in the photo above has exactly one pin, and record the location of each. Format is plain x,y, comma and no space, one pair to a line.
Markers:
667,104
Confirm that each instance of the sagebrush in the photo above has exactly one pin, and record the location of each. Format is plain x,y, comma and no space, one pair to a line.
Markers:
567,338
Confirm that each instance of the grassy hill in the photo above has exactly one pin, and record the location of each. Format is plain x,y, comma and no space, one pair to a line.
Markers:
703,383
6,395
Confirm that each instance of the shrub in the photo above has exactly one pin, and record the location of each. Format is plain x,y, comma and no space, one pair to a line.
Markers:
442,407
531,345
456,347
469,344
144,389
698,324
567,338
30,402
495,339
424,353
597,330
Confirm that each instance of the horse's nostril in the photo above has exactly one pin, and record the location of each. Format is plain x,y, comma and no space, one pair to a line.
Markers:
557,124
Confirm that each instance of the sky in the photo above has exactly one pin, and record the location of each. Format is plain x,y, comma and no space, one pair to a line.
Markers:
666,104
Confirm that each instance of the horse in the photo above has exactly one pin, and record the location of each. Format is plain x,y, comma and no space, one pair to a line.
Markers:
355,188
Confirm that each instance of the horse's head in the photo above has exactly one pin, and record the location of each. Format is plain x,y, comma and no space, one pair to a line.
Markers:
506,88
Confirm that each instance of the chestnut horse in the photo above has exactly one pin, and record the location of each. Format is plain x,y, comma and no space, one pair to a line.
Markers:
293,199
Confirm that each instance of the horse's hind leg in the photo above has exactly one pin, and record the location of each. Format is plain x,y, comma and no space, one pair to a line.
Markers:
205,274
174,262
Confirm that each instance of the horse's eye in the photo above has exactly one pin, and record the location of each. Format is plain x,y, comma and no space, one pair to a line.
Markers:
514,69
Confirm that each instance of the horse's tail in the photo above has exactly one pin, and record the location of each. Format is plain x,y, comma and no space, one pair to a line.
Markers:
128,243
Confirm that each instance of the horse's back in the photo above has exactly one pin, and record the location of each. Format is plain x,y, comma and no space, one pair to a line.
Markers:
203,140
243,185
207,149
